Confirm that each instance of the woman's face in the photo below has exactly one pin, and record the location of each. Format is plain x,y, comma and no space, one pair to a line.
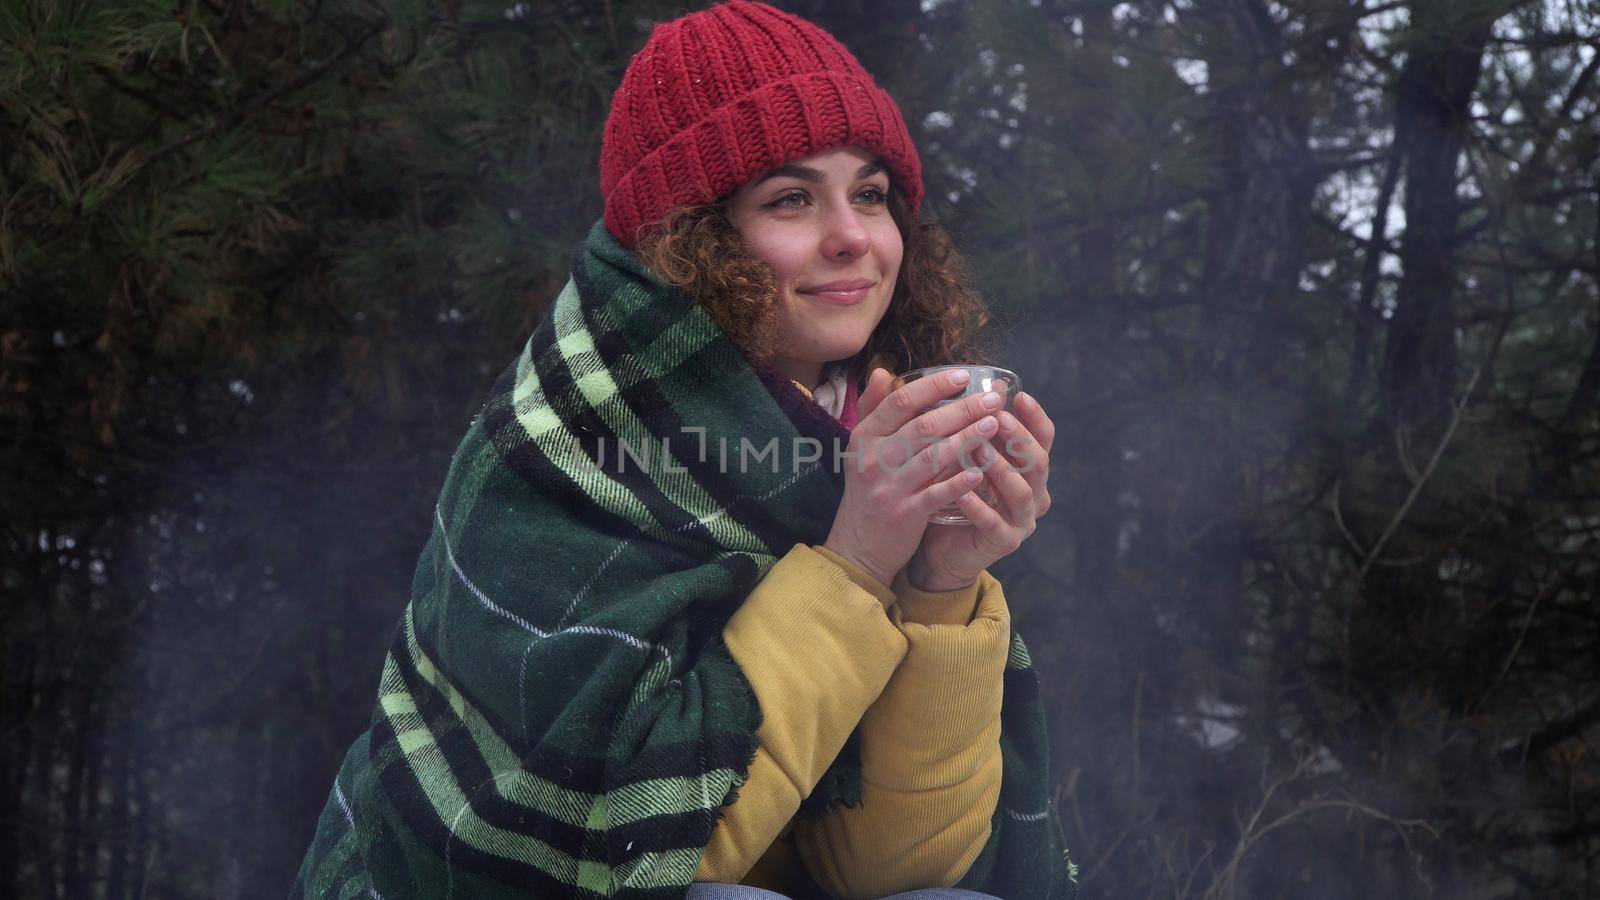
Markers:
822,223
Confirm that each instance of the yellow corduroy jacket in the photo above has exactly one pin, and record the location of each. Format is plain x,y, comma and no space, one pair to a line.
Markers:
825,645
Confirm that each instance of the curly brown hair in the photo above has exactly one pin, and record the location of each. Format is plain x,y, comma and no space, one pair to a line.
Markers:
935,315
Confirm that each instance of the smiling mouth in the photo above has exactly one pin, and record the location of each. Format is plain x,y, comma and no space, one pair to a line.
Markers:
842,297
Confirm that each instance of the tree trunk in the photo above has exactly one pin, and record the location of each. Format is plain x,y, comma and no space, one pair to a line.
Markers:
140,841
1255,251
1432,108
1367,314
73,801
18,747
92,839
1095,509
120,818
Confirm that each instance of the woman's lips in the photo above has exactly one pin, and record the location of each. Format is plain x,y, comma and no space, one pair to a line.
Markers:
841,297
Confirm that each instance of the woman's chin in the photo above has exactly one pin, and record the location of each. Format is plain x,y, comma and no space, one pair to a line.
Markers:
840,354
844,349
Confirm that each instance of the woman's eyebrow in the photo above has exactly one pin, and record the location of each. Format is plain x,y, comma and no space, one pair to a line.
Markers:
805,173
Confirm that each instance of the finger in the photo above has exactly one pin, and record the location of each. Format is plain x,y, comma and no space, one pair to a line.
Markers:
1033,417
1023,451
1019,445
1012,489
909,400
949,490
981,514
954,452
877,387
944,421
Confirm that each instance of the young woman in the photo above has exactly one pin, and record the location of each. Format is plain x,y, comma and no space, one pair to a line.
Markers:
682,627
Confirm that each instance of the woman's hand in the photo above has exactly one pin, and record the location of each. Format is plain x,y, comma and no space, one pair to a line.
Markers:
951,556
901,464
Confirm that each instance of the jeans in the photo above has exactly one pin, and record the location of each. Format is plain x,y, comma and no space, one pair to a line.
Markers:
709,891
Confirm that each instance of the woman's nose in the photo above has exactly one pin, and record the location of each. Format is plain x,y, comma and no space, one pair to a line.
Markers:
845,235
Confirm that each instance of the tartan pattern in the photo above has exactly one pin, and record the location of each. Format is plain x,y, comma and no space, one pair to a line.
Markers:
557,714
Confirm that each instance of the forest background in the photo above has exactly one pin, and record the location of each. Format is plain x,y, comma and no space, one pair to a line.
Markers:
1311,288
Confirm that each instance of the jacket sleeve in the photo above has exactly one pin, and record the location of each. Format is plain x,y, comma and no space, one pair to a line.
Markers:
815,643
930,752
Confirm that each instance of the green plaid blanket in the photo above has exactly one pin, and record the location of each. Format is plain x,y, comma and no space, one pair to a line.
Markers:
557,714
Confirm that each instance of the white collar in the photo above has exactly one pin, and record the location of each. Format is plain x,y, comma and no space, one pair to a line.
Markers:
830,393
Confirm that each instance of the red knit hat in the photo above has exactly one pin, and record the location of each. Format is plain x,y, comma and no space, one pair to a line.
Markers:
721,96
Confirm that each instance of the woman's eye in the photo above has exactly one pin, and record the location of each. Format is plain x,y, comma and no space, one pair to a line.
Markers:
877,197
